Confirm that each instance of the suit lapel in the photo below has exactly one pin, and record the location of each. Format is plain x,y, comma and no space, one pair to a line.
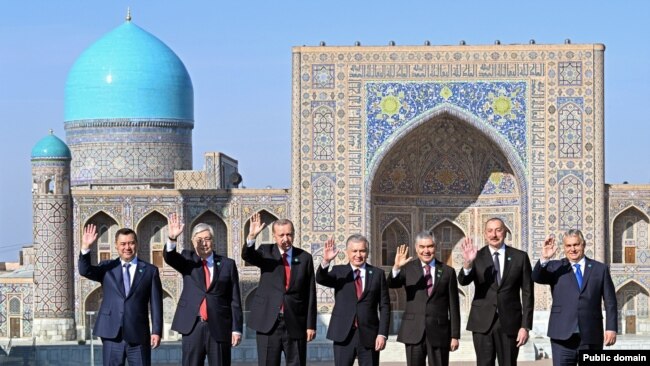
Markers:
216,268
369,276
586,273
137,277
436,275
116,272
506,263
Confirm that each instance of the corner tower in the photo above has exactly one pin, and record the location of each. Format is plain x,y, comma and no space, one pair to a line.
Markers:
129,112
52,211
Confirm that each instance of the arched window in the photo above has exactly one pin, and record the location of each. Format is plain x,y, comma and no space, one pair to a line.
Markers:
14,307
629,230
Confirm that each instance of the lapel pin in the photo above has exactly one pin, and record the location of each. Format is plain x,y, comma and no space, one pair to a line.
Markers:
218,263
509,258
369,272
140,270
295,260
438,275
589,265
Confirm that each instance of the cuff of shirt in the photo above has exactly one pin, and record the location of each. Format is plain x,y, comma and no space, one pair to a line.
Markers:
395,273
324,264
543,262
466,271
85,251
237,333
250,243
171,246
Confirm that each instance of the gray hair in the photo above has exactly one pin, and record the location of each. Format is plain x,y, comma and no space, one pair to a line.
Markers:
201,227
357,238
425,234
575,232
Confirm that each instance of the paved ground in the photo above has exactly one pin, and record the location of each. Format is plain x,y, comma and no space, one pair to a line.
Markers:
524,363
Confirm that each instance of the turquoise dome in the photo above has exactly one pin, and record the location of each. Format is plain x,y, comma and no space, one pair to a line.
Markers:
128,73
51,147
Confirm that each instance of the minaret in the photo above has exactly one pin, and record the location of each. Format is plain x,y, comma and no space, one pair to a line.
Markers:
53,271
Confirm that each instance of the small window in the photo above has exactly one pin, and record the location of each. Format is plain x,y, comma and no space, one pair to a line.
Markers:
104,256
156,235
629,230
14,306
157,258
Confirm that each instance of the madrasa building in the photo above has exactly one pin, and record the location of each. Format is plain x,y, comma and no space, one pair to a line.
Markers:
386,141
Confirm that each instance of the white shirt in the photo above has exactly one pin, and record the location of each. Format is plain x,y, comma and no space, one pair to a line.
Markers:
432,264
134,264
502,259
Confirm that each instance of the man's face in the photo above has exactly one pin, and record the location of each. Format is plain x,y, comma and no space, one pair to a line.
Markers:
495,233
283,236
202,242
574,250
357,253
126,246
426,250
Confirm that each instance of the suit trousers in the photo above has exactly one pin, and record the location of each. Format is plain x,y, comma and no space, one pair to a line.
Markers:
345,352
271,345
197,344
566,352
418,353
495,343
115,351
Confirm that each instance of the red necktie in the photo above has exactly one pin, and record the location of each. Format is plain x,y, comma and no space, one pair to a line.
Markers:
203,310
427,276
358,285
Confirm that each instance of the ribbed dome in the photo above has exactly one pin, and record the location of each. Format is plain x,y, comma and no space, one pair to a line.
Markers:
51,147
128,73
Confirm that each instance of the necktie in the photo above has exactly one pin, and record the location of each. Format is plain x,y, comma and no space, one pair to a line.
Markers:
578,276
497,268
287,271
358,285
427,277
203,309
127,278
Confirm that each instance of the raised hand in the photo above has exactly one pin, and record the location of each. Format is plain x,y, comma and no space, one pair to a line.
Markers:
330,251
174,226
89,236
549,249
256,226
401,256
469,252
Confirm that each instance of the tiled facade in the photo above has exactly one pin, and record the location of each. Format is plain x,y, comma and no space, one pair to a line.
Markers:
386,141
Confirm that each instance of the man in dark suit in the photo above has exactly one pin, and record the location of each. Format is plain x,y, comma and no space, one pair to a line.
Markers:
208,314
430,326
360,293
131,286
578,285
502,309
283,311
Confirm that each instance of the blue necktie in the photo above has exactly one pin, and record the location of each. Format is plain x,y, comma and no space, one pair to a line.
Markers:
127,278
578,275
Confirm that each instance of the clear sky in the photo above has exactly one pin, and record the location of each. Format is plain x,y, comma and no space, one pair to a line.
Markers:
238,54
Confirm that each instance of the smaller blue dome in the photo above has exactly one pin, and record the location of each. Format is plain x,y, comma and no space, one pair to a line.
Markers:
51,147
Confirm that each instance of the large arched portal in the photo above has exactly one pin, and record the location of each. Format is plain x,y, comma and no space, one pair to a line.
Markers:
445,176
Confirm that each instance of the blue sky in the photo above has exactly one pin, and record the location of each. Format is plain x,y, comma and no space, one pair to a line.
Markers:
238,54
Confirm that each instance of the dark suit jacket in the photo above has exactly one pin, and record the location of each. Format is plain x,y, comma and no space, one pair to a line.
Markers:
299,300
131,312
438,315
515,310
223,296
572,307
373,299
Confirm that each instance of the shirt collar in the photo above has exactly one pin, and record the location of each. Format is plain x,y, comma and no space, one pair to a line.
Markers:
209,259
362,268
432,264
581,262
289,252
133,262
501,250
